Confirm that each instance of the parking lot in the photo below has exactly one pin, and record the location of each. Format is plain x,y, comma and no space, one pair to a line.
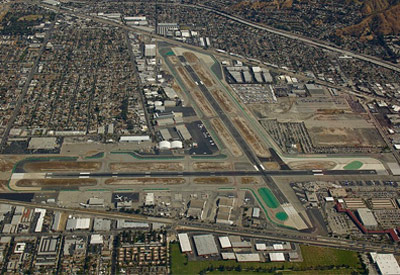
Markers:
205,143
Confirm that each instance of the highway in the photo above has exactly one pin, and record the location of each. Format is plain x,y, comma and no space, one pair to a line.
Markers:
287,34
307,40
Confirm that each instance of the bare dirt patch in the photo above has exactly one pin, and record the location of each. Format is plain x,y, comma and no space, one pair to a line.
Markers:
310,165
211,180
51,166
252,138
223,133
191,57
207,166
184,75
204,76
352,137
55,182
7,165
3,185
203,103
138,181
249,180
146,166
223,101
271,165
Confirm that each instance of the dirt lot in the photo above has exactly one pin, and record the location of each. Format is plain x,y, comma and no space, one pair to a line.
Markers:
7,165
310,165
223,133
211,180
214,166
346,137
191,57
185,77
3,185
145,166
52,166
252,138
203,103
55,182
138,181
204,76
223,101
249,180
271,165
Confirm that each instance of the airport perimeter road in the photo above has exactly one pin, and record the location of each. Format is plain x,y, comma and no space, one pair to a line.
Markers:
211,174
181,225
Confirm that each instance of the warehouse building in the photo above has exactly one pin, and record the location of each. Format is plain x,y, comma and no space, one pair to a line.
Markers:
224,242
205,245
183,132
248,257
150,50
134,138
78,224
184,242
386,263
367,218
276,257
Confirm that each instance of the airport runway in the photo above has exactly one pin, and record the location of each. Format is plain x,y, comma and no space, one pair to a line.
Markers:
211,174
234,132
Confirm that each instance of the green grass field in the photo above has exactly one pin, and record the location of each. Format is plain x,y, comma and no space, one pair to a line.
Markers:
268,197
354,165
282,216
317,260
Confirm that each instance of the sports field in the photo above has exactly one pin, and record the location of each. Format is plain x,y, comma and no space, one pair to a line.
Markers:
268,197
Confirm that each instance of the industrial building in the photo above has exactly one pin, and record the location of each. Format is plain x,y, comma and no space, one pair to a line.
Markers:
167,29
150,50
386,263
224,242
255,213
78,224
101,224
184,243
196,207
248,257
183,132
134,138
276,257
205,245
367,218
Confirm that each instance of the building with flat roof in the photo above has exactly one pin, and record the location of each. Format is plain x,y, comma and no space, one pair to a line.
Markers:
184,242
248,257
228,256
150,50
367,217
276,257
78,224
224,242
386,263
256,212
205,245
